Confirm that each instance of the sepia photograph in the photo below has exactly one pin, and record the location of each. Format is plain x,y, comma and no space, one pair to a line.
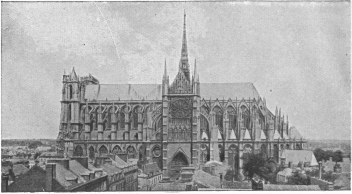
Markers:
175,96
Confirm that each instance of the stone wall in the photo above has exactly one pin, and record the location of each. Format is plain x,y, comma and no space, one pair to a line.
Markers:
323,184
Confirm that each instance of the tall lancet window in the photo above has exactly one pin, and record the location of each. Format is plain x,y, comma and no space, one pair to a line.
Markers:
69,113
232,118
218,117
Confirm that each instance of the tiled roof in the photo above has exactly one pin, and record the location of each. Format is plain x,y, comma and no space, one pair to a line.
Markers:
48,154
153,91
206,179
296,156
123,92
78,169
19,169
228,90
63,175
110,169
291,188
31,181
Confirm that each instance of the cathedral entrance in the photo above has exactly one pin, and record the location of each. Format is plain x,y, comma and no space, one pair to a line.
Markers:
179,161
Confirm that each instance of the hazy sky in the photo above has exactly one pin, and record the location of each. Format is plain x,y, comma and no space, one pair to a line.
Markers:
296,54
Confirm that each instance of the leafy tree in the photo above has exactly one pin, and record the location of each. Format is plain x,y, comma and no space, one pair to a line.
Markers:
320,154
298,179
260,165
35,144
337,156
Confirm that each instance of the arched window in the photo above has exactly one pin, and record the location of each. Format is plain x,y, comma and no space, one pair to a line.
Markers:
287,146
233,157
204,127
135,118
93,123
158,125
263,149
218,117
122,120
232,119
69,109
157,156
204,153
131,151
103,151
70,91
247,150
78,151
91,153
276,152
116,150
245,117
221,152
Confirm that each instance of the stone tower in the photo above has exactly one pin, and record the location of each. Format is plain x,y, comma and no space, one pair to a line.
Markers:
180,116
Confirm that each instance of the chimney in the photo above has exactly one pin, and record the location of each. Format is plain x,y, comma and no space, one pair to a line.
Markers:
91,176
320,169
50,175
82,160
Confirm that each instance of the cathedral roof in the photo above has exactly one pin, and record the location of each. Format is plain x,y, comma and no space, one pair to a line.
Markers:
154,92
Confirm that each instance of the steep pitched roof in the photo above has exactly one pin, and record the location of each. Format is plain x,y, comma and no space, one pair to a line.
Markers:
77,168
110,169
294,133
31,181
296,156
228,90
123,92
153,91
63,176
19,169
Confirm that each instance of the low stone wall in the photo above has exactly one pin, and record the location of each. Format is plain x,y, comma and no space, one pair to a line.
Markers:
323,184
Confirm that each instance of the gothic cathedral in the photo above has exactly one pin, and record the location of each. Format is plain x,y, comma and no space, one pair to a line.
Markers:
185,123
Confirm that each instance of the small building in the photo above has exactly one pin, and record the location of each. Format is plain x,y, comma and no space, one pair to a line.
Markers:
288,158
60,175
45,156
150,176
282,176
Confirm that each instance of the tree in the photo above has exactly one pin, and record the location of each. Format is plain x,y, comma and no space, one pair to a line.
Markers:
320,154
260,165
337,156
35,144
298,179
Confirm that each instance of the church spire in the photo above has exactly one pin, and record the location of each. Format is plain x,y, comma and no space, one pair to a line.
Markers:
184,65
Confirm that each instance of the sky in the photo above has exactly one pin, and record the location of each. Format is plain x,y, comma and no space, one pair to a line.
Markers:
296,54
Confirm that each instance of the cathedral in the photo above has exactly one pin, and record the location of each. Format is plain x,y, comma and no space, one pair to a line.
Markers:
176,124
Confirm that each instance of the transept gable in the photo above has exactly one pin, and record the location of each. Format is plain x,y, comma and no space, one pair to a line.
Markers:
180,85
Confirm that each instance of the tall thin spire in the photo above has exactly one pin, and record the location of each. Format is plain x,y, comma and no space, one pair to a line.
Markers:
165,70
184,65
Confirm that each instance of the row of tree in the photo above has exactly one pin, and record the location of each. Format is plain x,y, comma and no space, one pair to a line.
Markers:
321,155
